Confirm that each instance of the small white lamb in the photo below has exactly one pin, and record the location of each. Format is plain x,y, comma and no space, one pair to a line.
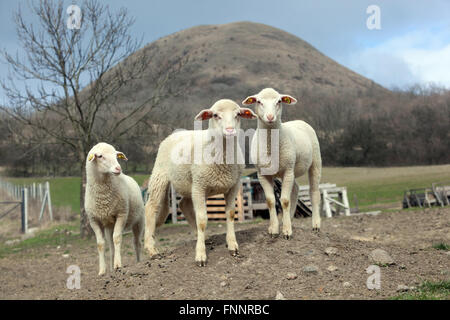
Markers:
299,152
113,203
196,180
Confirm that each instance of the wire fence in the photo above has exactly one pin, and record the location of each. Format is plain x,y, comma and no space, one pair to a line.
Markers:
19,196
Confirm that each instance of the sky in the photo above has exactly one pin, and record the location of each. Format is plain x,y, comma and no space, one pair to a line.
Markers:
411,45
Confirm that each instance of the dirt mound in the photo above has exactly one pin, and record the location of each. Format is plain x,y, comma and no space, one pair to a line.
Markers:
328,265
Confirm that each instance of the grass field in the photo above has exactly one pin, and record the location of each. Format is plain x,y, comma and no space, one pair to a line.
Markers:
383,185
372,186
65,191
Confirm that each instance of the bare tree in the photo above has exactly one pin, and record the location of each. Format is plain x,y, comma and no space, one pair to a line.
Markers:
79,75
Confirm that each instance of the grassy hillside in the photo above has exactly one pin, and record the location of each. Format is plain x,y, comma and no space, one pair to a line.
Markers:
372,186
235,60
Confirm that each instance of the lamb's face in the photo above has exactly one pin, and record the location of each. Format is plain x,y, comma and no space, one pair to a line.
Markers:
268,104
224,117
104,157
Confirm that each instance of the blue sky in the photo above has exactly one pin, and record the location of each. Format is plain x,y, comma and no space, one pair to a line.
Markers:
412,46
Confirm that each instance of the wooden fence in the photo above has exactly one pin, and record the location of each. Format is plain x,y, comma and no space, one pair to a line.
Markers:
215,205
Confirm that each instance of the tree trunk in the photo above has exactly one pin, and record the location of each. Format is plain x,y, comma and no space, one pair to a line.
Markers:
85,227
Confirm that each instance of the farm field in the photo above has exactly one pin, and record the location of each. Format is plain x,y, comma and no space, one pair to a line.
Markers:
375,188
416,240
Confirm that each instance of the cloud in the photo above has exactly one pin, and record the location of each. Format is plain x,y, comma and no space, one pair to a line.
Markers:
420,56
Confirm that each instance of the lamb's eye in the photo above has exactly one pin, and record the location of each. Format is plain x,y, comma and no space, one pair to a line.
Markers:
216,116
100,156
279,101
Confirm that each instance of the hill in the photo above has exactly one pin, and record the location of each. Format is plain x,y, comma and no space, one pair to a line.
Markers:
237,59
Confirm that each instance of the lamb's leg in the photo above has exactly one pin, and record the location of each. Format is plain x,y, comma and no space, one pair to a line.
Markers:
117,239
137,233
199,202
294,198
188,211
267,185
100,245
108,236
285,199
153,210
230,199
314,193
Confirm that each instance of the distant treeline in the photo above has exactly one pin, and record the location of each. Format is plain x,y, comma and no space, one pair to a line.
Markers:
399,127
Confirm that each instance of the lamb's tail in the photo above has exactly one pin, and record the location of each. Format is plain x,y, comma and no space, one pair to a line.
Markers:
157,206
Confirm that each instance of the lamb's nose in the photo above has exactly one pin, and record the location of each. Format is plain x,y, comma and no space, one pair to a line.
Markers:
118,169
229,129
270,117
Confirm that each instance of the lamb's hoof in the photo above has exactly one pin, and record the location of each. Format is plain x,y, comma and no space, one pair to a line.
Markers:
316,229
273,235
152,252
201,263
101,273
287,237
234,252
157,256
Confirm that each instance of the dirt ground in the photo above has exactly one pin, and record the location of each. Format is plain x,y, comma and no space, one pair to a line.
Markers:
297,268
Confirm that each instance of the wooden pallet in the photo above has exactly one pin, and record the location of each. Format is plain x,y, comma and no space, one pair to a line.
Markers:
441,193
334,199
215,205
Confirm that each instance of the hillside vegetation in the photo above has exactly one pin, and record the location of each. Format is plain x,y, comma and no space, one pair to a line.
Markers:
359,123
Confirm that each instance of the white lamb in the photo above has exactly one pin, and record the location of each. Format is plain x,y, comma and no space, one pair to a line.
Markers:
299,152
113,203
195,180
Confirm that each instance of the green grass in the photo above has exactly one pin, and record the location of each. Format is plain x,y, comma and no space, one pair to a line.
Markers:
65,191
428,291
382,185
48,237
441,246
372,186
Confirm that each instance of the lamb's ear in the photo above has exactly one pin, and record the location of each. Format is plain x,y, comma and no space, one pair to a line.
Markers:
285,98
249,100
204,115
121,155
247,113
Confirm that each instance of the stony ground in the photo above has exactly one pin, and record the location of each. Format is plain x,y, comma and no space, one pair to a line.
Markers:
329,265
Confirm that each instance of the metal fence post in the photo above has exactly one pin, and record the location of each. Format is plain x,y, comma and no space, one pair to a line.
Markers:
49,203
24,208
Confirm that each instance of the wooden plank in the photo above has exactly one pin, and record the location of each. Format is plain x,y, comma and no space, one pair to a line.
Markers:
345,202
326,205
215,202
337,202
215,209
218,216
